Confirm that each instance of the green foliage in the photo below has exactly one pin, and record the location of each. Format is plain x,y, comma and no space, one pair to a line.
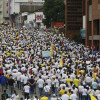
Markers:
54,11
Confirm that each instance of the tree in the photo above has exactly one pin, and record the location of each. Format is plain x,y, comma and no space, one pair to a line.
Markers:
54,11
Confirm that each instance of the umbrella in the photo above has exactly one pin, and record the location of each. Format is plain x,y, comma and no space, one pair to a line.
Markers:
94,52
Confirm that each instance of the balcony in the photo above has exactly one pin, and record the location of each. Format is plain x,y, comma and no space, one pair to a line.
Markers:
95,37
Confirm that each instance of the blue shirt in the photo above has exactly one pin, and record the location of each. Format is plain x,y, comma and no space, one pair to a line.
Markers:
3,80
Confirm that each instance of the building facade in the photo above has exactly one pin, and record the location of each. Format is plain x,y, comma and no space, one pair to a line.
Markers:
18,7
93,24
4,17
73,17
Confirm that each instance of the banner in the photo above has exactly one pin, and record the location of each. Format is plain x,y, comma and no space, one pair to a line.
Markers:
46,53
59,24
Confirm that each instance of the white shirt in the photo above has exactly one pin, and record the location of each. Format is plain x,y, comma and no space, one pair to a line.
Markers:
13,97
48,81
21,78
53,98
25,79
62,85
26,89
98,96
65,97
47,88
88,79
73,97
84,91
80,88
56,82
40,83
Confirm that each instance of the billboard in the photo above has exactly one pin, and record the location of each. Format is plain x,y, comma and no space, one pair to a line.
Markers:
59,24
39,17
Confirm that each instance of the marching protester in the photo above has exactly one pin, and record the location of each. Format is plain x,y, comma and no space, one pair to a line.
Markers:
46,66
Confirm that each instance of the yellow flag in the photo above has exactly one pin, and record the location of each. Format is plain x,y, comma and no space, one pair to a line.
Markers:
94,76
77,72
1,65
51,51
92,97
61,62
16,33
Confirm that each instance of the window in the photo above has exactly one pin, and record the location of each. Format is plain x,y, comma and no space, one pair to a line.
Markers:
7,4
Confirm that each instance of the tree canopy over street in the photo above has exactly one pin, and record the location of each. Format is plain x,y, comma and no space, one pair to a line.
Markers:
54,11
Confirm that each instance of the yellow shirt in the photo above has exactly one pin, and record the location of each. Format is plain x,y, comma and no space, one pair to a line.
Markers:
76,82
68,80
61,92
7,76
44,98
69,93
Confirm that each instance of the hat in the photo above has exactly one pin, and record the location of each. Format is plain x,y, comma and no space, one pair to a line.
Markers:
59,95
54,95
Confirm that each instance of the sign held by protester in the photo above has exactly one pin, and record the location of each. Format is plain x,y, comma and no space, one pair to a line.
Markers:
46,53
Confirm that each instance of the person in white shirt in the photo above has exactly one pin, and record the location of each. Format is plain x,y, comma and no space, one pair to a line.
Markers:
54,97
84,93
98,96
25,79
26,91
80,87
47,90
73,96
21,80
40,83
14,95
65,96
56,85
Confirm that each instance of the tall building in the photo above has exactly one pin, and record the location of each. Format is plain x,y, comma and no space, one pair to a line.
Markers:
73,17
4,17
93,24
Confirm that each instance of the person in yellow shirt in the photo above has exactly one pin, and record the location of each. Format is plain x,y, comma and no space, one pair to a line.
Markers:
76,82
68,80
69,92
62,91
44,98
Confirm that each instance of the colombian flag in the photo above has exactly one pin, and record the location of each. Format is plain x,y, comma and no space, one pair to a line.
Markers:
17,59
3,60
1,69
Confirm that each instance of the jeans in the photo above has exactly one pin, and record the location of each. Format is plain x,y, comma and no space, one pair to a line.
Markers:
41,91
80,96
56,91
84,97
18,85
6,85
3,86
21,85
53,88
47,95
26,95
11,88
31,90
88,97
35,89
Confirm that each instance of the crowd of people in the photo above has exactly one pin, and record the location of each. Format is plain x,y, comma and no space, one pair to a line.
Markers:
69,72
